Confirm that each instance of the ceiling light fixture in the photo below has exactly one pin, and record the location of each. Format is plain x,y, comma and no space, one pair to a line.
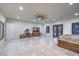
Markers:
33,20
18,17
70,3
40,19
76,14
20,8
53,19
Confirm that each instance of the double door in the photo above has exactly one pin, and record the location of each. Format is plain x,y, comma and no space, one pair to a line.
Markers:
57,30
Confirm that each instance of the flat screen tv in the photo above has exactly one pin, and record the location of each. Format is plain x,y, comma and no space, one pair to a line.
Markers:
1,30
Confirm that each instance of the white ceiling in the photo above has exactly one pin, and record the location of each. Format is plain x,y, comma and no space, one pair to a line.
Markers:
58,11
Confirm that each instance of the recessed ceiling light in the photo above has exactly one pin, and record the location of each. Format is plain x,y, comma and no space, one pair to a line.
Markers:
76,14
53,19
70,3
18,17
33,20
20,7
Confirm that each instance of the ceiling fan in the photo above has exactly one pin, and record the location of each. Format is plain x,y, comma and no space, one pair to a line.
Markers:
41,17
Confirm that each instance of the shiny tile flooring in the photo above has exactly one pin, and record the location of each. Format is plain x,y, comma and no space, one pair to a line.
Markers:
34,46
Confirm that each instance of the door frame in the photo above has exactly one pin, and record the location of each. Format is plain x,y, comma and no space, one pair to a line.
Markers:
57,25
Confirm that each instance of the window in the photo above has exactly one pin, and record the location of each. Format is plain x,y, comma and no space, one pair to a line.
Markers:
75,28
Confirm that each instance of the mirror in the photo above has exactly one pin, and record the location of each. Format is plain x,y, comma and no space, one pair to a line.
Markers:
1,30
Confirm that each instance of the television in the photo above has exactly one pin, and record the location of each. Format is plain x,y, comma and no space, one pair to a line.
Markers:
36,29
1,30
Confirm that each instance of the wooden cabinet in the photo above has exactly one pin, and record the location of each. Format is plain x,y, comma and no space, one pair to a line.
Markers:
36,33
70,46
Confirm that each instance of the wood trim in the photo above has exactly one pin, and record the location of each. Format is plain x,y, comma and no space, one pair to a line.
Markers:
69,46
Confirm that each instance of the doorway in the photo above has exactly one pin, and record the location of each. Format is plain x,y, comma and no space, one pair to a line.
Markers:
9,31
57,30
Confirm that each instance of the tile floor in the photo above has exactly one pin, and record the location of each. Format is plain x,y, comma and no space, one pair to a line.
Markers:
34,46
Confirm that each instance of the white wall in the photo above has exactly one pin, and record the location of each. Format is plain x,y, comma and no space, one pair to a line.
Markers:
2,19
19,27
67,26
67,29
